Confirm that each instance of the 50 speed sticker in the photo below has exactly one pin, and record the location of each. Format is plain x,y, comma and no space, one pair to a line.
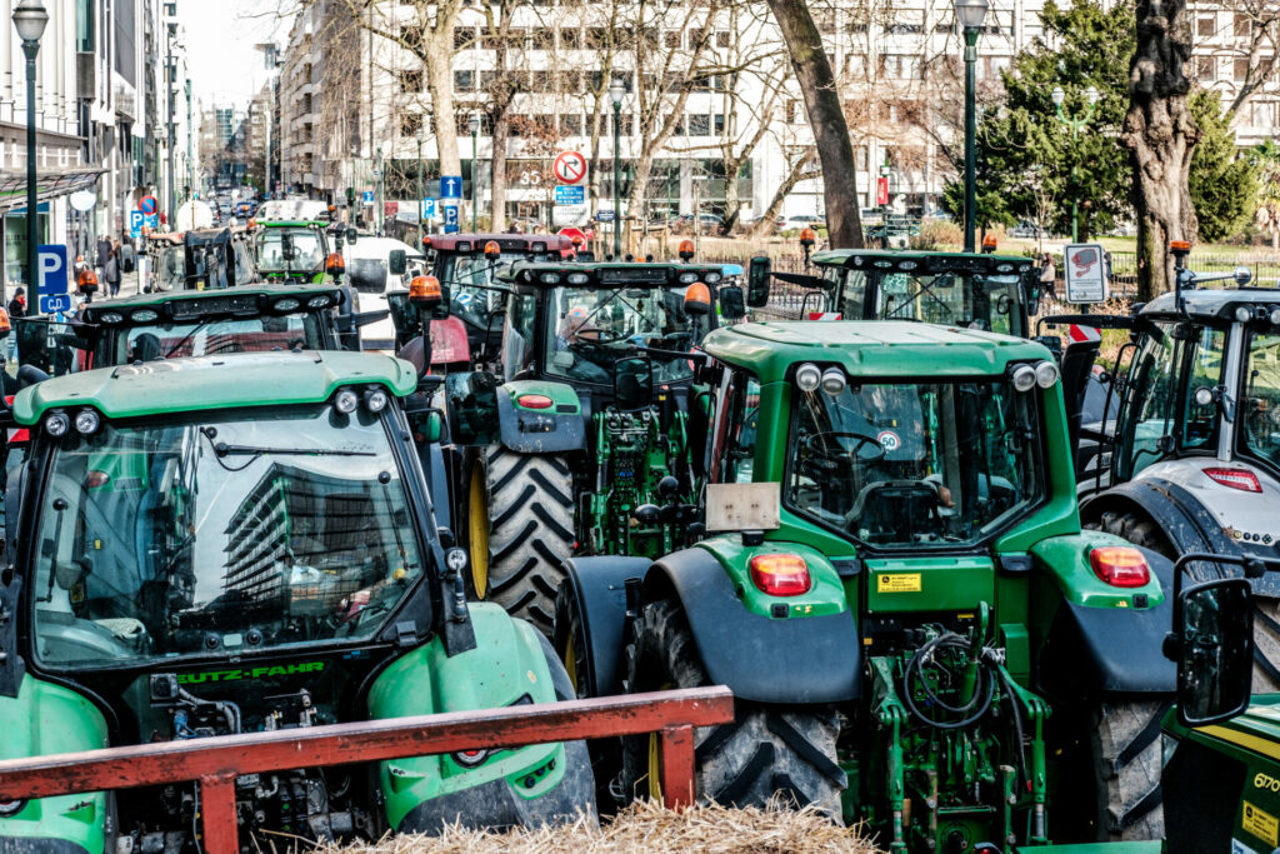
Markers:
1261,824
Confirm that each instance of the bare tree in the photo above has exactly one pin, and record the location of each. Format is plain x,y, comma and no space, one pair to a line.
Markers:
1160,135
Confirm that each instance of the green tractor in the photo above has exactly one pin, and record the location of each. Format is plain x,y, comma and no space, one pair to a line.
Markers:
232,544
896,586
296,252
585,443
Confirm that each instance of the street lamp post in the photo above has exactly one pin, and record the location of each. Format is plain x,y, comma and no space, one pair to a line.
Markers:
1075,123
616,90
969,14
422,193
473,125
380,211
30,17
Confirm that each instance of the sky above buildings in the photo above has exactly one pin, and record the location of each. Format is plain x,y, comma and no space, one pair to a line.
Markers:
225,66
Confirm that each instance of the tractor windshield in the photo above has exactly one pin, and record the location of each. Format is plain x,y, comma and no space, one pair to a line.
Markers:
469,278
307,246
212,336
988,302
219,533
916,464
1261,433
592,328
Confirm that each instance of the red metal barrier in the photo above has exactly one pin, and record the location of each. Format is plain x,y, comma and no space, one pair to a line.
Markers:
217,761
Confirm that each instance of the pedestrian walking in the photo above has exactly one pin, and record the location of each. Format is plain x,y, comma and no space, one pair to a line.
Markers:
1048,275
111,273
18,305
104,249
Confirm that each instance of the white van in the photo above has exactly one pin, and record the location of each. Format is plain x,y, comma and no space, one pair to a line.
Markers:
368,263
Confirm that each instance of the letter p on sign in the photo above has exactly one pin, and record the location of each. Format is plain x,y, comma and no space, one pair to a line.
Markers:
51,265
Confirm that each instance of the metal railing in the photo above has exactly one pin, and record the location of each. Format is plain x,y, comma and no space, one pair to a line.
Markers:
215,762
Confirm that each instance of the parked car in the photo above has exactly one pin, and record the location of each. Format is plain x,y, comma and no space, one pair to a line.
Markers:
799,221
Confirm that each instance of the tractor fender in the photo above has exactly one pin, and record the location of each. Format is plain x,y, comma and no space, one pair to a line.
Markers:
1185,521
1100,651
798,660
555,429
597,588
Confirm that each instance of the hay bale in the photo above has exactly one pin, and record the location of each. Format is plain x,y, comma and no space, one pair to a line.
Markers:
648,828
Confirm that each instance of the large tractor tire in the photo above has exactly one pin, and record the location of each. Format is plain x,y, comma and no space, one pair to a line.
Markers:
520,528
765,751
1141,531
1127,764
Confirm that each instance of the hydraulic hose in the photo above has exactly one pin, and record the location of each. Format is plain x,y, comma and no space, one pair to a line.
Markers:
982,695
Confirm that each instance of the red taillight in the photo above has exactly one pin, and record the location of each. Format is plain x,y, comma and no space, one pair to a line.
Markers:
1120,566
780,575
534,401
1241,479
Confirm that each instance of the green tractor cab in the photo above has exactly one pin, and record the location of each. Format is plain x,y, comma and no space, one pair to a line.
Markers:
470,266
295,252
231,544
896,586
586,440
995,293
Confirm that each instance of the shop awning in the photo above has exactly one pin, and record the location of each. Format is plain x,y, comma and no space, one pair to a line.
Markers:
49,185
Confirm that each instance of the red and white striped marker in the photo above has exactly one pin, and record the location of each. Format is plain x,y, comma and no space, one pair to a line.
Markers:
824,315
1078,334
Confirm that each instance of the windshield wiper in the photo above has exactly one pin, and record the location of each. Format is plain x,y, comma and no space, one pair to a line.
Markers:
185,338
222,449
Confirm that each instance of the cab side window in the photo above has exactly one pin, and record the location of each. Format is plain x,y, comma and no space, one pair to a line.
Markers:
733,455
518,349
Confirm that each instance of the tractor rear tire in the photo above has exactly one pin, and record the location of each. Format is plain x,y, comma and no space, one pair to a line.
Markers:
520,529
766,751
1127,765
1138,530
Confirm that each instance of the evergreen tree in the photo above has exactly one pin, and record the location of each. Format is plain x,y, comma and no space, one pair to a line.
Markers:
1224,187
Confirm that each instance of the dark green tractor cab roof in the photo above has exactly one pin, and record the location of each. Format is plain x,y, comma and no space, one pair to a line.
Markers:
241,300
869,348
923,262
605,274
214,382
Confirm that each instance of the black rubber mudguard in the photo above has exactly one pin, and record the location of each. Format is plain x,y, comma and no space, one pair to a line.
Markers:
787,660
599,592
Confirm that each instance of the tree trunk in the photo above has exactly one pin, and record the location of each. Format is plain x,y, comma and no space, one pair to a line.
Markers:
826,117
1160,135
439,65
498,139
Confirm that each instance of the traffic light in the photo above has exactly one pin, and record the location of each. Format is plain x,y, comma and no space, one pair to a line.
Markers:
351,196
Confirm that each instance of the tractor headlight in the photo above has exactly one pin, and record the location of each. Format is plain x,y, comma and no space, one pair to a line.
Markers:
144,315
455,559
1243,314
688,278
549,278
111,317
319,301
471,758
1023,378
287,304
808,377
711,277
346,401
11,808
1046,374
87,421
833,381
56,424
578,278
375,399
1274,316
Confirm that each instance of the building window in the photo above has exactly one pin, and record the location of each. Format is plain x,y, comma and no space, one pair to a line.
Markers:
570,39
795,115
410,124
463,37
1204,68
671,38
1263,114
1242,24
571,124
1205,25
1240,70
722,38
717,122
699,124
464,81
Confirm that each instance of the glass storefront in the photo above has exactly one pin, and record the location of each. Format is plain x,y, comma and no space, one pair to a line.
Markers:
15,242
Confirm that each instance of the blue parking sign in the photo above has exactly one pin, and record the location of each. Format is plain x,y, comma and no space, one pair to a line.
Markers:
51,261
136,220
450,216
428,208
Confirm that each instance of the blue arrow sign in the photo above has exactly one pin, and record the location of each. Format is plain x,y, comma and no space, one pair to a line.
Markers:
367,197
450,186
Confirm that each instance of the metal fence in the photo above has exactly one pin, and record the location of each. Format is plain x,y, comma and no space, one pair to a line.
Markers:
216,762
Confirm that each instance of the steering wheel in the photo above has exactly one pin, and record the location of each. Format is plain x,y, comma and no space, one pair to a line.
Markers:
598,336
840,453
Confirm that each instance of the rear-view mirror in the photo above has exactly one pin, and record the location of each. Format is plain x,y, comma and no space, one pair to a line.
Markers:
758,274
1213,639
732,304
397,262
287,251
633,383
